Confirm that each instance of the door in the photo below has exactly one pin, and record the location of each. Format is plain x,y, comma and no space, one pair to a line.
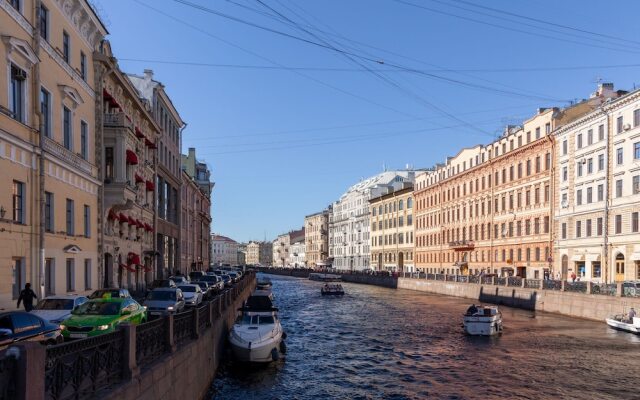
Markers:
619,268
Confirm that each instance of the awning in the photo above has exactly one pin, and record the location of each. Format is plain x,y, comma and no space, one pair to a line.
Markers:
148,227
132,158
139,133
123,218
132,221
133,259
635,256
139,179
150,186
593,257
577,257
128,268
150,144
139,224
112,216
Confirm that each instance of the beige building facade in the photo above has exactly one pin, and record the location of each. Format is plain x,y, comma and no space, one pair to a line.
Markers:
316,228
280,248
392,234
489,208
48,234
259,253
598,196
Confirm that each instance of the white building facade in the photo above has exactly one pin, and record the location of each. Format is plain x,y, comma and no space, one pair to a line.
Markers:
349,221
297,255
598,192
224,250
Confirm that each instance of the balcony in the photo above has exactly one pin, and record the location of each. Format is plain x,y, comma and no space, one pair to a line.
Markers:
117,120
62,153
460,245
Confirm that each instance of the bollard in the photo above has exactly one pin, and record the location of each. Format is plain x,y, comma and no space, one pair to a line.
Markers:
524,282
589,287
31,364
195,320
171,343
130,368
619,289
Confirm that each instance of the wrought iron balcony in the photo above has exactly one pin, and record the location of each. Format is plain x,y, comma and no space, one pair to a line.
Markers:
462,244
66,155
117,120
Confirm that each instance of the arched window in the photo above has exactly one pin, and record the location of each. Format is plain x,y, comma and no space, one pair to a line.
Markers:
400,205
409,202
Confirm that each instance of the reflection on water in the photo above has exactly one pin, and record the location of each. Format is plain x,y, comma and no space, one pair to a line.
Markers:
377,343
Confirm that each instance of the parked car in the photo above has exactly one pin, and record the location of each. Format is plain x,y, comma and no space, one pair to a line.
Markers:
234,276
163,301
113,292
228,282
169,283
196,275
214,280
180,280
20,326
99,316
56,309
207,289
192,295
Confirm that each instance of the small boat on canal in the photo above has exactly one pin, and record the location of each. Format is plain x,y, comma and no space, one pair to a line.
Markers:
482,321
257,335
263,283
325,277
622,322
329,289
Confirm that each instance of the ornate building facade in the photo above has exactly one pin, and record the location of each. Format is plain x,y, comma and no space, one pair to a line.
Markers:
316,228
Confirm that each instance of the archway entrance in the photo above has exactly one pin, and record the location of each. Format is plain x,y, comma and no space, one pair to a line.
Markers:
565,267
108,271
620,267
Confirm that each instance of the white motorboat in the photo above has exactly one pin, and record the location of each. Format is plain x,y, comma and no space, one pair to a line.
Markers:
263,283
257,334
622,322
330,289
482,321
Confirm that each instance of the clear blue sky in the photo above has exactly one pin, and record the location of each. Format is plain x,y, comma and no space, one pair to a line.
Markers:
284,143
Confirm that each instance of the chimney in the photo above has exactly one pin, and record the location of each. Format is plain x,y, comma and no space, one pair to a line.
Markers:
604,90
148,74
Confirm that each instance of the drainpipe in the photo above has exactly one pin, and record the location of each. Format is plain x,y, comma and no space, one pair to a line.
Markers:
606,197
41,199
552,190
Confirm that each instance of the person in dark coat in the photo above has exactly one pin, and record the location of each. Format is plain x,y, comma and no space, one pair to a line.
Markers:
26,297
472,310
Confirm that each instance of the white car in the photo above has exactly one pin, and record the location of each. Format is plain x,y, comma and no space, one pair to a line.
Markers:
192,294
56,309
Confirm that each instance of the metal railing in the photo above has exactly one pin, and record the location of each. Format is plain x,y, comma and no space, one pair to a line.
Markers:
514,281
532,283
151,341
203,317
183,327
552,285
605,289
79,370
579,287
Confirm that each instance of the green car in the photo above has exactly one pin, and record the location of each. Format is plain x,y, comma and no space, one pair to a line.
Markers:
99,316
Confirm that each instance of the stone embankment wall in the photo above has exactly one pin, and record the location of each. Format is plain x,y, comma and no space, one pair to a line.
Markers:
589,306
376,280
295,272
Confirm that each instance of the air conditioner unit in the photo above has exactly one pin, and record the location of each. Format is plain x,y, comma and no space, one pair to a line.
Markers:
564,203
626,127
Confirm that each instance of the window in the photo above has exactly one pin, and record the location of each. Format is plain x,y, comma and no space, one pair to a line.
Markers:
19,202
66,47
48,212
619,124
634,222
66,128
17,95
579,197
538,133
565,174
599,226
565,147
71,278
45,110
579,168
589,195
618,224
600,132
579,140
619,156
19,275
578,229
537,164
43,19
49,277
70,217
16,4
635,184
83,66
600,162
596,268
636,150
564,230
400,205
409,220
84,138
590,166
409,202
547,161
528,167
636,117
601,192
619,188
588,228
87,274
589,137
547,128
108,163
87,221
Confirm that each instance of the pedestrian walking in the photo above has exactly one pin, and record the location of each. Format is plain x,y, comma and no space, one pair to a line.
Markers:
573,277
26,297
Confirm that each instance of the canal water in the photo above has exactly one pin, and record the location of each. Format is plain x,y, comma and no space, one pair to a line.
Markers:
377,343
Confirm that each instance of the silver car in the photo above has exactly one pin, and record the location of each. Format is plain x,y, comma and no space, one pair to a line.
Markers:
56,309
192,295
164,301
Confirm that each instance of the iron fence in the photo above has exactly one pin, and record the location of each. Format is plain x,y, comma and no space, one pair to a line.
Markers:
431,277
486,280
579,287
461,278
474,279
514,281
440,277
501,281
203,318
151,341
182,327
8,369
552,285
450,278
532,283
81,369
605,289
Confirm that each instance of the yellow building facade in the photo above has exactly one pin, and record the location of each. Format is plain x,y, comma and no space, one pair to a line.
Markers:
48,236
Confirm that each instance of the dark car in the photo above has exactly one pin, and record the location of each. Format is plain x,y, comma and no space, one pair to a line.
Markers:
113,292
19,326
162,283
207,289
213,281
228,282
196,275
